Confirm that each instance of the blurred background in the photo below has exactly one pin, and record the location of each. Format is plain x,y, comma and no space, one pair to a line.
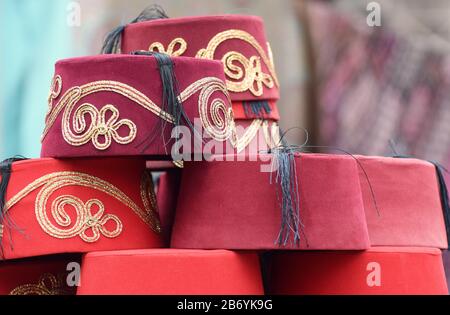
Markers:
352,84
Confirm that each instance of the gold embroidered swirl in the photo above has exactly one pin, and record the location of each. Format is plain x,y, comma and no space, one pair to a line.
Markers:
100,127
48,285
55,90
219,128
176,48
246,74
85,218
215,114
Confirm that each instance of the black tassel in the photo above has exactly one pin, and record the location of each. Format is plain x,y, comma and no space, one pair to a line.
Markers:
171,104
5,173
287,179
256,108
111,45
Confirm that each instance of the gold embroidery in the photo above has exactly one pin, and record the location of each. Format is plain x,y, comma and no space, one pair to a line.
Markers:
249,134
99,127
221,114
48,285
215,115
253,72
246,74
85,220
171,50
55,90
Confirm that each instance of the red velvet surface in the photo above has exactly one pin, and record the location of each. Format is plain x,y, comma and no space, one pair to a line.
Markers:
400,271
141,73
17,273
232,205
30,239
407,194
167,196
170,271
197,32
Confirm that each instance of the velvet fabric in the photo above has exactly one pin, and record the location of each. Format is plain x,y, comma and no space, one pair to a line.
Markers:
379,270
233,205
171,271
132,85
45,275
408,201
199,31
79,205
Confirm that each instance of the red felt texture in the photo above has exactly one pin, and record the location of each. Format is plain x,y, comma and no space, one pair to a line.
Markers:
376,271
29,238
18,273
409,206
167,196
218,209
197,32
140,73
178,272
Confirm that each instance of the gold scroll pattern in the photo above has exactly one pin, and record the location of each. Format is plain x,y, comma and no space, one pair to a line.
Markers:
90,216
216,118
48,284
243,74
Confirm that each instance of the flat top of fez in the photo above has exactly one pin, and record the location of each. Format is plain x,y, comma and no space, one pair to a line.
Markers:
211,19
163,251
393,160
99,59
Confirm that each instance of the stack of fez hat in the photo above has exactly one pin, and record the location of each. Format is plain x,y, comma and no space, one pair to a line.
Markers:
314,223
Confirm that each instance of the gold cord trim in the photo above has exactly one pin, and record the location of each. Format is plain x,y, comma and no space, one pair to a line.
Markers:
243,74
48,285
86,218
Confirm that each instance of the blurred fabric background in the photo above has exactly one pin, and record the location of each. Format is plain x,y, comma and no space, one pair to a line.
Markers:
351,85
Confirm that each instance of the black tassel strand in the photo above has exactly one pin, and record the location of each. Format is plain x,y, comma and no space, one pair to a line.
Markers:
256,108
288,181
171,103
5,173
111,45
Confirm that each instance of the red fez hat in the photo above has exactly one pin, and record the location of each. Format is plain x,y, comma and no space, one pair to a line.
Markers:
238,41
64,206
379,270
218,209
37,276
407,196
171,271
123,105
